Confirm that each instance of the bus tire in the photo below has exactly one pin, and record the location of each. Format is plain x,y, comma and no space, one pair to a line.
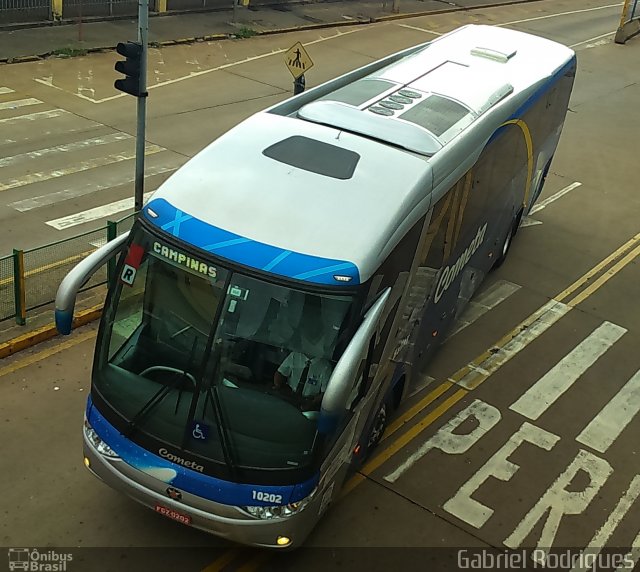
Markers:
505,245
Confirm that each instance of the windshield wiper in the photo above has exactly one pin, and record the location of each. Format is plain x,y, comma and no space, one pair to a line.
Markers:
211,393
152,403
159,396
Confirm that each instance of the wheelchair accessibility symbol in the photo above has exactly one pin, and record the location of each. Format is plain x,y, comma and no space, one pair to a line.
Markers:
200,431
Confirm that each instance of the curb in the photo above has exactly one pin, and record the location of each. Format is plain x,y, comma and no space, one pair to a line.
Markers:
47,332
318,26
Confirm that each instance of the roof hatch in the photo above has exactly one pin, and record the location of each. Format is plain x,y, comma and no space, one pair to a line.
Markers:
399,133
500,54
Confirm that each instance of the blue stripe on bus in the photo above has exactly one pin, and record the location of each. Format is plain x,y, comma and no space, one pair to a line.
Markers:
248,252
194,482
544,88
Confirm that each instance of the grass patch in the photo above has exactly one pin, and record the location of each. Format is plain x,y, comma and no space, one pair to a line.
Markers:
245,32
69,52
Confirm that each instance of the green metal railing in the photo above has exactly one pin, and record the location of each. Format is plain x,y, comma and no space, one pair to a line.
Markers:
29,279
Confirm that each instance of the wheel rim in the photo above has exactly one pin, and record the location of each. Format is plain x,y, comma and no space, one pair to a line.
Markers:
378,426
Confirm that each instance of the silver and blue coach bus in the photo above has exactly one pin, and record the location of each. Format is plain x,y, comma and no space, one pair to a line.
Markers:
279,294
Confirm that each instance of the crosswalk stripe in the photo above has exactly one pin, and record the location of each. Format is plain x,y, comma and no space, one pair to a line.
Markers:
538,323
4,90
31,203
538,398
631,557
482,303
561,193
19,103
75,168
34,116
74,146
603,534
95,213
606,427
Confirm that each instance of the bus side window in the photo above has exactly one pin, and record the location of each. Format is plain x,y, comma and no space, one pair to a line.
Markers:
363,379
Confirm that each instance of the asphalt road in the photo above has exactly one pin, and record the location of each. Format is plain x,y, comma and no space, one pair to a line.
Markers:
525,434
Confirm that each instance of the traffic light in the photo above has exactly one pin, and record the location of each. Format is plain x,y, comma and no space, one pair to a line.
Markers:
131,68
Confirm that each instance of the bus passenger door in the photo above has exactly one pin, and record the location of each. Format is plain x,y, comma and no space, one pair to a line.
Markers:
348,399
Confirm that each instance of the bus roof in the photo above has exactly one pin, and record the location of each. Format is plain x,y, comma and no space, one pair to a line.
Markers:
332,179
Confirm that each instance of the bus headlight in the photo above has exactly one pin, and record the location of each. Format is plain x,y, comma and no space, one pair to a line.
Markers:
98,443
280,511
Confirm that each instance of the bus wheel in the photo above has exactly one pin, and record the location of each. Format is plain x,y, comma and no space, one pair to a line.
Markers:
378,427
506,244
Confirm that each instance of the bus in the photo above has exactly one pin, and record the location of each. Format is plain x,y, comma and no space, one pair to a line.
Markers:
278,296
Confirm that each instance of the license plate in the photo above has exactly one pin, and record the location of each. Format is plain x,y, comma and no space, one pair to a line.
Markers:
174,514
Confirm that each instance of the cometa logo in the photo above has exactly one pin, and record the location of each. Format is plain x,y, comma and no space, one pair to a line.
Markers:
450,273
180,461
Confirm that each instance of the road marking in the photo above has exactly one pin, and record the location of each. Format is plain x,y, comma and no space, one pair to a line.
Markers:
564,295
473,512
562,14
606,427
561,499
88,188
559,379
597,284
4,90
498,292
82,125
593,40
95,213
546,312
561,193
14,104
221,562
426,380
417,408
603,534
255,562
379,459
476,372
420,29
75,168
446,439
631,557
35,358
402,441
74,146
528,221
339,34
33,116
598,268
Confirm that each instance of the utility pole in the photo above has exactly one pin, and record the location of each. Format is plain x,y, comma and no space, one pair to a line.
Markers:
143,33
135,83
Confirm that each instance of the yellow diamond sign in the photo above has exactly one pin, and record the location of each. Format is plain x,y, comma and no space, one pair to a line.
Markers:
297,60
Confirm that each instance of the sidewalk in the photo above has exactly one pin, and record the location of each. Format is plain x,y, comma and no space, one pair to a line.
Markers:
73,39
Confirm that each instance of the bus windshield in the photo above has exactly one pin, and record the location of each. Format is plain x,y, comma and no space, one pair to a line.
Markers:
216,364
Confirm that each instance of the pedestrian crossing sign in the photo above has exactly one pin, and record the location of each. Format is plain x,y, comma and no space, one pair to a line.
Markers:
297,60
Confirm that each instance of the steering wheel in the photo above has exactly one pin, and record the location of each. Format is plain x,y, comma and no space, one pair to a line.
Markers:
169,369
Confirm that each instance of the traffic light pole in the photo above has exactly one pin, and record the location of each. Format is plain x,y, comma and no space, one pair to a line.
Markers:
143,32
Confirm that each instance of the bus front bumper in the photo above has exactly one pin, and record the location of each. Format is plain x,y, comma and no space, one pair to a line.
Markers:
228,522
